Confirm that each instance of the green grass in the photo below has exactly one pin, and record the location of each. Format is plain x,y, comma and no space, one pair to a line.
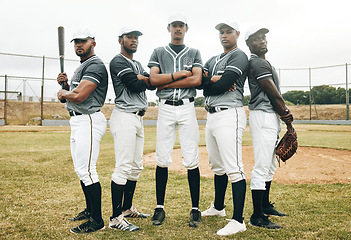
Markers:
40,190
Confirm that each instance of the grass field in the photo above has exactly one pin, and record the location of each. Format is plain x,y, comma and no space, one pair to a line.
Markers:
40,190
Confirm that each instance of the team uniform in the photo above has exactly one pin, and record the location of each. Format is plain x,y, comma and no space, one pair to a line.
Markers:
88,125
265,124
176,107
226,118
126,123
176,110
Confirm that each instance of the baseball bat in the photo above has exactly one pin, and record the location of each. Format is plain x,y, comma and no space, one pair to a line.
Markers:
61,42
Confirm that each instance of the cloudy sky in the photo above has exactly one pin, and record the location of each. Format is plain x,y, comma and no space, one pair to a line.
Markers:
302,33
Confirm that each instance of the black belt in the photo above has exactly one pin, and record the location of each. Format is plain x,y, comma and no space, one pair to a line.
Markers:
178,102
215,109
140,113
74,113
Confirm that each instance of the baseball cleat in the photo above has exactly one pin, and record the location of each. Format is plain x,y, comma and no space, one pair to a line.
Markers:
195,218
271,211
158,217
81,216
232,227
212,211
89,226
264,222
121,223
132,212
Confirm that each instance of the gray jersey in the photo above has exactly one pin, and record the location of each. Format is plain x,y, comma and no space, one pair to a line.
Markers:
236,61
94,70
127,100
261,70
168,61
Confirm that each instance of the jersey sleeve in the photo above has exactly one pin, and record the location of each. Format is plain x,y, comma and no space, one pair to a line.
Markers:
95,73
198,60
261,70
154,61
237,63
120,69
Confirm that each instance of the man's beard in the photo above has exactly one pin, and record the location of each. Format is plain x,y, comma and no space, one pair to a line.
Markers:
129,50
84,54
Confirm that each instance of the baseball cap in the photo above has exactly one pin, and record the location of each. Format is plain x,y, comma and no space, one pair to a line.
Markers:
253,30
129,29
82,34
177,18
228,23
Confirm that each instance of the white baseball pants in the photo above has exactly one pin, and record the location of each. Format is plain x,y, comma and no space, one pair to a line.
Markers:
265,128
183,117
224,132
128,134
86,133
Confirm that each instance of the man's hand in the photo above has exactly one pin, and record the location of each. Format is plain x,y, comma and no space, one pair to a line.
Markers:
232,88
62,78
182,74
60,94
215,78
144,79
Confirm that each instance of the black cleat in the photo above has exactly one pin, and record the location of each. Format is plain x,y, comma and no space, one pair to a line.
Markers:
271,211
81,216
90,226
195,218
264,222
158,217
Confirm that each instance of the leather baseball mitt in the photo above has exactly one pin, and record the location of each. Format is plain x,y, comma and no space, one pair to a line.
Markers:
287,146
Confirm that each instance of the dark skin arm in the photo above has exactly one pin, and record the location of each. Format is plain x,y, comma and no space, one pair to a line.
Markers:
77,95
159,79
192,81
277,101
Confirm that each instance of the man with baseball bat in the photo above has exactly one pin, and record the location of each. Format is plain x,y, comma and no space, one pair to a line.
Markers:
85,96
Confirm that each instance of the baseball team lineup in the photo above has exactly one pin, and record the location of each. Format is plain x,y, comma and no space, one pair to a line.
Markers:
176,73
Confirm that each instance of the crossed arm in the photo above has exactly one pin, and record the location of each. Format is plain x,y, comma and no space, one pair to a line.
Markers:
180,79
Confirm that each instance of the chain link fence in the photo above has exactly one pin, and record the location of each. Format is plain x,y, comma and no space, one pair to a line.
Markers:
29,83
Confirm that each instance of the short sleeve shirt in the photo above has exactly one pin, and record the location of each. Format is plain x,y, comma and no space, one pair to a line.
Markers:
168,61
261,70
127,100
94,70
236,61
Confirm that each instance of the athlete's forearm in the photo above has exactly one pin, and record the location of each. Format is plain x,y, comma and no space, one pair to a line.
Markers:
227,80
132,82
158,79
184,83
274,96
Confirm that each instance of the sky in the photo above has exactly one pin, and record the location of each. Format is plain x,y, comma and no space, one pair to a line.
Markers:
302,33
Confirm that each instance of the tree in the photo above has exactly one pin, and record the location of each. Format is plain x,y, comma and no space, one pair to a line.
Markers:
199,102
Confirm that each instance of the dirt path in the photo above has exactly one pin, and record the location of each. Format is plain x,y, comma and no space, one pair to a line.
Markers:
309,165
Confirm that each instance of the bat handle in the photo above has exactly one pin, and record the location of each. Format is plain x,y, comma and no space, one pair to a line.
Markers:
63,87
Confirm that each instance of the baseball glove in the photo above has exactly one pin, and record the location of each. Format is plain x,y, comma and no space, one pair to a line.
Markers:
287,146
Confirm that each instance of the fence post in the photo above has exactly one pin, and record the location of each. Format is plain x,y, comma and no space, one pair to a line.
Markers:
5,103
42,95
309,73
347,95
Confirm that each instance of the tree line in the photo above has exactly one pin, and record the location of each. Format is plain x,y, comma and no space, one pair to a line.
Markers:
323,94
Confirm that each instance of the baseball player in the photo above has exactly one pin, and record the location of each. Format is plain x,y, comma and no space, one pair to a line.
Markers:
226,121
266,105
126,125
85,96
176,69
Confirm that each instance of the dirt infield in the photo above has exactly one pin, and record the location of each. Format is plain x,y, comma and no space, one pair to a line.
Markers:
309,165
